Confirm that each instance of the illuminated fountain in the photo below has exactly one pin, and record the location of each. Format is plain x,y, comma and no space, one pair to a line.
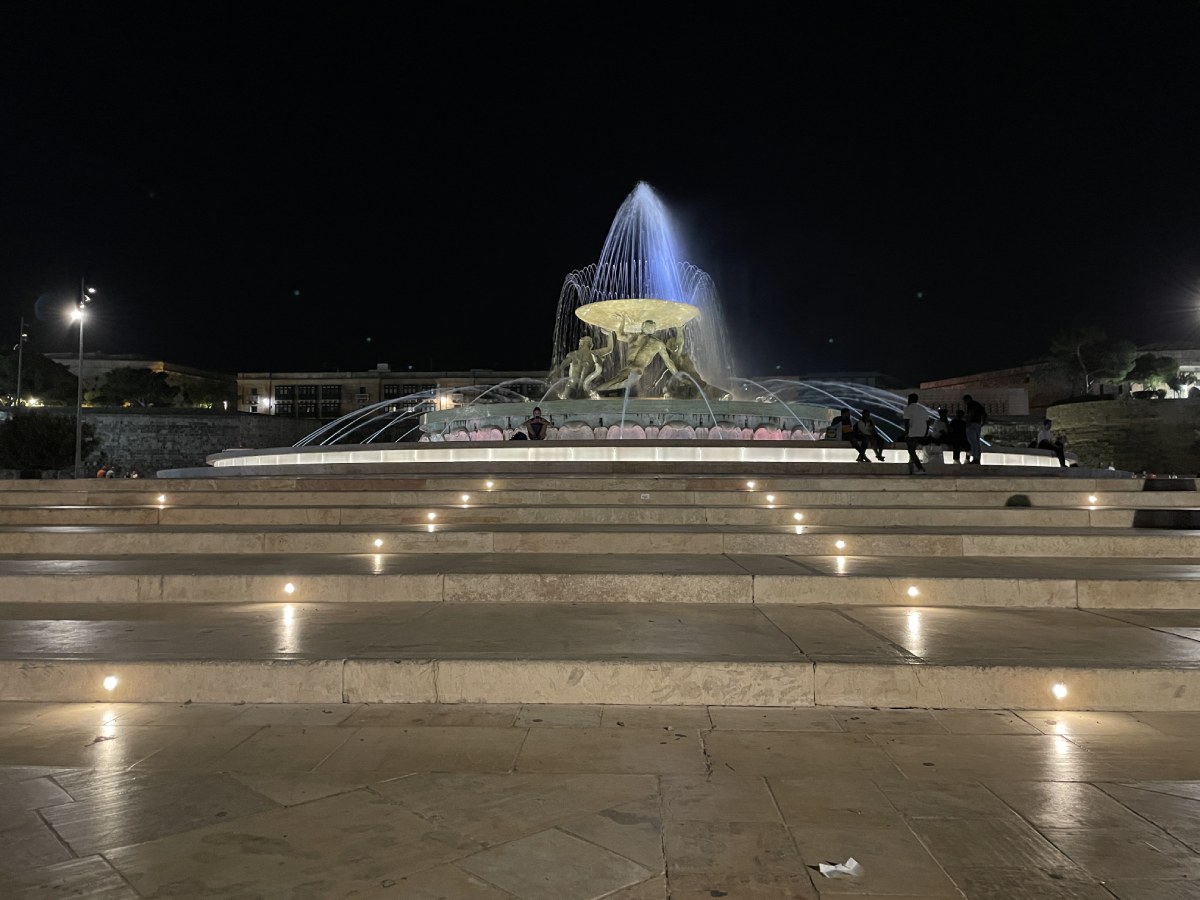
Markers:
640,351
640,370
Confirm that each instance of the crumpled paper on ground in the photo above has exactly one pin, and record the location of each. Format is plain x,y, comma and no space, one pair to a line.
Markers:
851,867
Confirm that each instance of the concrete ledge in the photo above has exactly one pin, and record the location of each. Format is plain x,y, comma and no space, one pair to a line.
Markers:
209,681
862,590
582,587
1011,687
580,681
633,539
712,683
598,588
1139,594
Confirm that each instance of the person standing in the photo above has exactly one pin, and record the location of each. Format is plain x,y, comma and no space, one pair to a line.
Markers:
976,417
916,423
958,436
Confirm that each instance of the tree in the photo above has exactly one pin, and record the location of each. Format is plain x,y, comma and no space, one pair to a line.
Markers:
1089,353
40,440
50,382
137,387
207,393
1153,371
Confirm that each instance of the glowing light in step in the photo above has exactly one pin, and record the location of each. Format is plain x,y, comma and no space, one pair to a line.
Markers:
841,545
289,588
431,516
489,484
378,542
799,517
1091,498
466,497
162,498
1059,690
770,498
750,484
111,682
912,590
915,640
286,632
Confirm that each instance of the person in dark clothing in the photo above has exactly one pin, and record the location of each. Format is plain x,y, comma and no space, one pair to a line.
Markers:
536,425
866,432
976,417
844,431
958,436
1047,441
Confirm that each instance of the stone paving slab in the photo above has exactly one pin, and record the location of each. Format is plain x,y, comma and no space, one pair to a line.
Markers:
546,802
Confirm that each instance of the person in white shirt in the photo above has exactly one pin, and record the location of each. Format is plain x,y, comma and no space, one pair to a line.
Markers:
1047,441
916,424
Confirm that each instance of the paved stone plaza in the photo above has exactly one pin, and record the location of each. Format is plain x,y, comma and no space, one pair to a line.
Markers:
601,685
559,802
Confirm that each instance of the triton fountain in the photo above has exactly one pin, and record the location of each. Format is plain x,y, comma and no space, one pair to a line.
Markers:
640,369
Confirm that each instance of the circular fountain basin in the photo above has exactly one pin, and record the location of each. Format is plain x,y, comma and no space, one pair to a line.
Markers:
611,315
615,418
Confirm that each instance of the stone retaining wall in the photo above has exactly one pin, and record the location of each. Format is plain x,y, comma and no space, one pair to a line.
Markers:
1159,436
153,439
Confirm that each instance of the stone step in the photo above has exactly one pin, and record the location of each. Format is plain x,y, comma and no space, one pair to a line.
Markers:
656,479
648,654
567,578
768,514
647,494
639,538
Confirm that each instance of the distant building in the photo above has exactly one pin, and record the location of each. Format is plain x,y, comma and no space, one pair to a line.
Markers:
1044,382
1024,390
190,381
330,395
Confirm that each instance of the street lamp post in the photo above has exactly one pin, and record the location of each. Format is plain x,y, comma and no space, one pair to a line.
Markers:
85,293
22,337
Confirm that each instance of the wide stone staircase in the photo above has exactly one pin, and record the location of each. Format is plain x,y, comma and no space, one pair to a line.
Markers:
827,584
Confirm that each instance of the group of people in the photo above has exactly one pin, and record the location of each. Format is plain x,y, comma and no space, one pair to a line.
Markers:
862,434
961,435
115,472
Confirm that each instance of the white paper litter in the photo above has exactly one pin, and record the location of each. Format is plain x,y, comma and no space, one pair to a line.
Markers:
851,867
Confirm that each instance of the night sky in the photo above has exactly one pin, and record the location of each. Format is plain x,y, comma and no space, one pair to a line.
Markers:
922,189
